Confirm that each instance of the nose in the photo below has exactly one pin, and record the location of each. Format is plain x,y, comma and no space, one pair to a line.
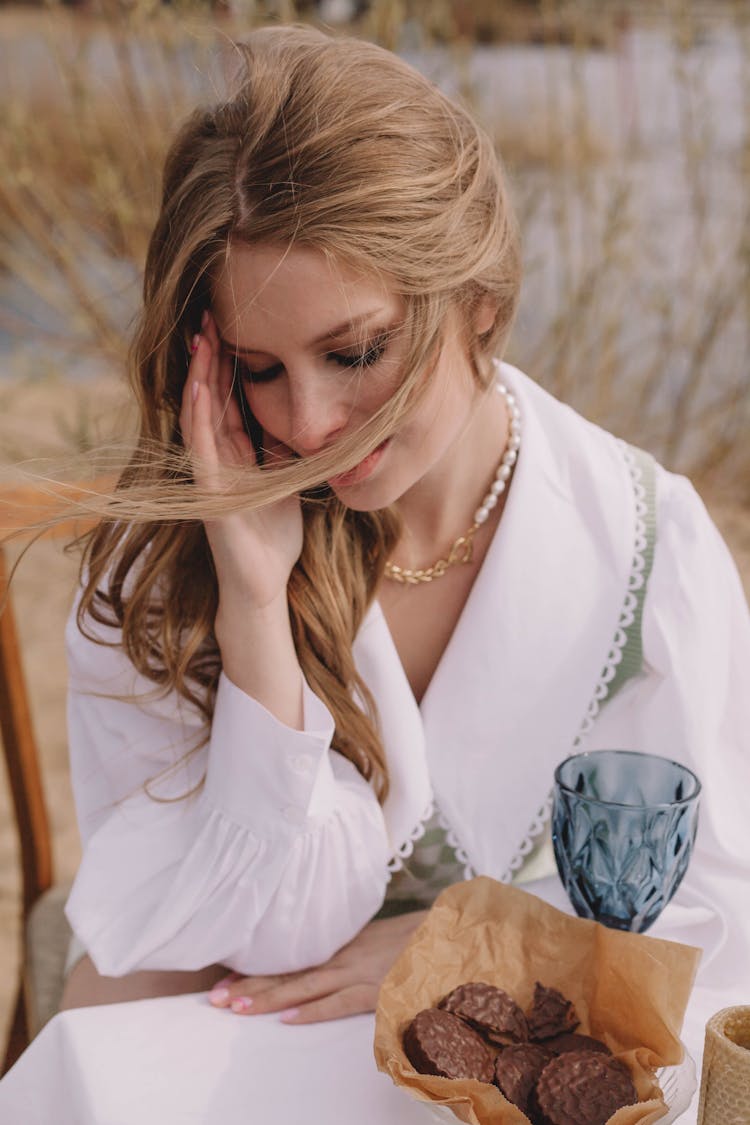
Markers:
318,414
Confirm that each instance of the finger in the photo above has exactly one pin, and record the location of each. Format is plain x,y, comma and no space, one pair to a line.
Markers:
232,440
208,328
275,994
234,425
210,350
220,995
202,437
234,987
211,336
226,381
351,1001
186,405
251,986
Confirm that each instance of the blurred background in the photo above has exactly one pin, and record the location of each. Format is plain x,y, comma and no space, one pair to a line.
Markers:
625,130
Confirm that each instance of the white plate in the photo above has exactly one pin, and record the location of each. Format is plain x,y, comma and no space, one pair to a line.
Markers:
678,1084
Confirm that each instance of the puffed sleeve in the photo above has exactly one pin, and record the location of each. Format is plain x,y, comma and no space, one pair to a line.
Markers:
692,703
270,864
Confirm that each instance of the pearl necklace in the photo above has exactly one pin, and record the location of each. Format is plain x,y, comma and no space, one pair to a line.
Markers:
463,547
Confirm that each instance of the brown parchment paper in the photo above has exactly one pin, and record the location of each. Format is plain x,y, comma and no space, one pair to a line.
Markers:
629,990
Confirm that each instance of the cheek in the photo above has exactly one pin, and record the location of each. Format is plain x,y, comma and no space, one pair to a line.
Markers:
268,408
445,411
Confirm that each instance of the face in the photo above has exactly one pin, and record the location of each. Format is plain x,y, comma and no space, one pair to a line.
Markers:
319,349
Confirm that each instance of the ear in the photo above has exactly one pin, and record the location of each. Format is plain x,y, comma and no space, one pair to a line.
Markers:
484,315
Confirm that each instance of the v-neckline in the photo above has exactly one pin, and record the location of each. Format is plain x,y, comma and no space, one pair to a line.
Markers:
515,680
488,563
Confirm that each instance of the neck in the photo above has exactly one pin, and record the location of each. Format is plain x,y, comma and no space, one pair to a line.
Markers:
441,506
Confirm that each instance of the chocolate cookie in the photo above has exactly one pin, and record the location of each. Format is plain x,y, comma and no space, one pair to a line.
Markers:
582,1088
575,1041
517,1069
440,1043
489,1009
551,1013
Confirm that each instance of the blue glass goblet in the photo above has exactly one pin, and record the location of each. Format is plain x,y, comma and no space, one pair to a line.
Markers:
623,827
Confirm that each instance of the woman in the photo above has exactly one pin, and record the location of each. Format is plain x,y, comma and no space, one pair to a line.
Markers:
367,585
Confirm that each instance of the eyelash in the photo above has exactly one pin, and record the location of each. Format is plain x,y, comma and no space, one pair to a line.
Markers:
374,352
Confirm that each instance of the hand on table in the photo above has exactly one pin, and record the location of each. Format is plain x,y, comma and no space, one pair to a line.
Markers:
344,986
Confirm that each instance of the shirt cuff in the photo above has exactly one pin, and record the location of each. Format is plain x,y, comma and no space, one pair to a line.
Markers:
263,774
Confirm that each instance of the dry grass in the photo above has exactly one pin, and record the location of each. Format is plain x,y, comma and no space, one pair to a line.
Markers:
82,153
80,190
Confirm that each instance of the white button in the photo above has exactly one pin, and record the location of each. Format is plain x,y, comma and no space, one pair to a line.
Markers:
294,815
302,763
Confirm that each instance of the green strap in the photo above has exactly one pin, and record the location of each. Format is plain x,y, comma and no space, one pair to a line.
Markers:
432,866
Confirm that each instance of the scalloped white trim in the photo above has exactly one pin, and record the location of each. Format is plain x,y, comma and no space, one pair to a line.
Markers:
614,657
455,843
405,850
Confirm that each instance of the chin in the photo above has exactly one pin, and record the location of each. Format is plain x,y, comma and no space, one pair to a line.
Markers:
361,499
369,495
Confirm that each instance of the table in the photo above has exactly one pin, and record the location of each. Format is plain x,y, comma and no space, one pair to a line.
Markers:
177,1060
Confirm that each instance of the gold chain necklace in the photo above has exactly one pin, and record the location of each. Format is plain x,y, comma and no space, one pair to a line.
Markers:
462,549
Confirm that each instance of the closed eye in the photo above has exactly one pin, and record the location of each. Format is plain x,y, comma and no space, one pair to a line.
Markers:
373,352
267,375
359,359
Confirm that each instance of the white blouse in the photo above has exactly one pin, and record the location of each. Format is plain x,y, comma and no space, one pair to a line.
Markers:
283,855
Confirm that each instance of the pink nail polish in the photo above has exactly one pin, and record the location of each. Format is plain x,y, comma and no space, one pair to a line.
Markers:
241,1004
289,1014
195,341
218,995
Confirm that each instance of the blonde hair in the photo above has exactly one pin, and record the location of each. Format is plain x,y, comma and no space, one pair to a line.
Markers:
337,145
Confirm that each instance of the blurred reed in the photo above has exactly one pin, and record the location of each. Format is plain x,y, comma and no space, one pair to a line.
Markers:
657,356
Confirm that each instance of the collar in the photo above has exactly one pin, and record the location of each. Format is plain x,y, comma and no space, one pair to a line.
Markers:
518,676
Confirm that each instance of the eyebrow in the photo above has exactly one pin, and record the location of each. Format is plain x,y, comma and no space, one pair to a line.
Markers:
334,334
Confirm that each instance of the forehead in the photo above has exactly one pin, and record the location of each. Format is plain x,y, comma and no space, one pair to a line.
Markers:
265,292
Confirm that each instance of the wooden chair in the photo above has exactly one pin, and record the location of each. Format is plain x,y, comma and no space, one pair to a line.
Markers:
45,930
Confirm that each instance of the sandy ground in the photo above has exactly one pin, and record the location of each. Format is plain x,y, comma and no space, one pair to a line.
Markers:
42,593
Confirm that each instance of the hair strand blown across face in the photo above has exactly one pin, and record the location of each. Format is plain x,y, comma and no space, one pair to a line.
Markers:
337,145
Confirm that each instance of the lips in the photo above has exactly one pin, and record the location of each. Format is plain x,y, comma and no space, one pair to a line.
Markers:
361,471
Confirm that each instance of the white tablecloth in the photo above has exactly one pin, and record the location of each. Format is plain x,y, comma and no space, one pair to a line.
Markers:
178,1060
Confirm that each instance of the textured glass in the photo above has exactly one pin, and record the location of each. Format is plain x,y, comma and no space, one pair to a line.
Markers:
623,826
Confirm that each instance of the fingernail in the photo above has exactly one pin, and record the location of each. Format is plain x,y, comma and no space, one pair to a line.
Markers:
194,342
204,319
195,389
230,978
289,1014
241,1004
218,995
